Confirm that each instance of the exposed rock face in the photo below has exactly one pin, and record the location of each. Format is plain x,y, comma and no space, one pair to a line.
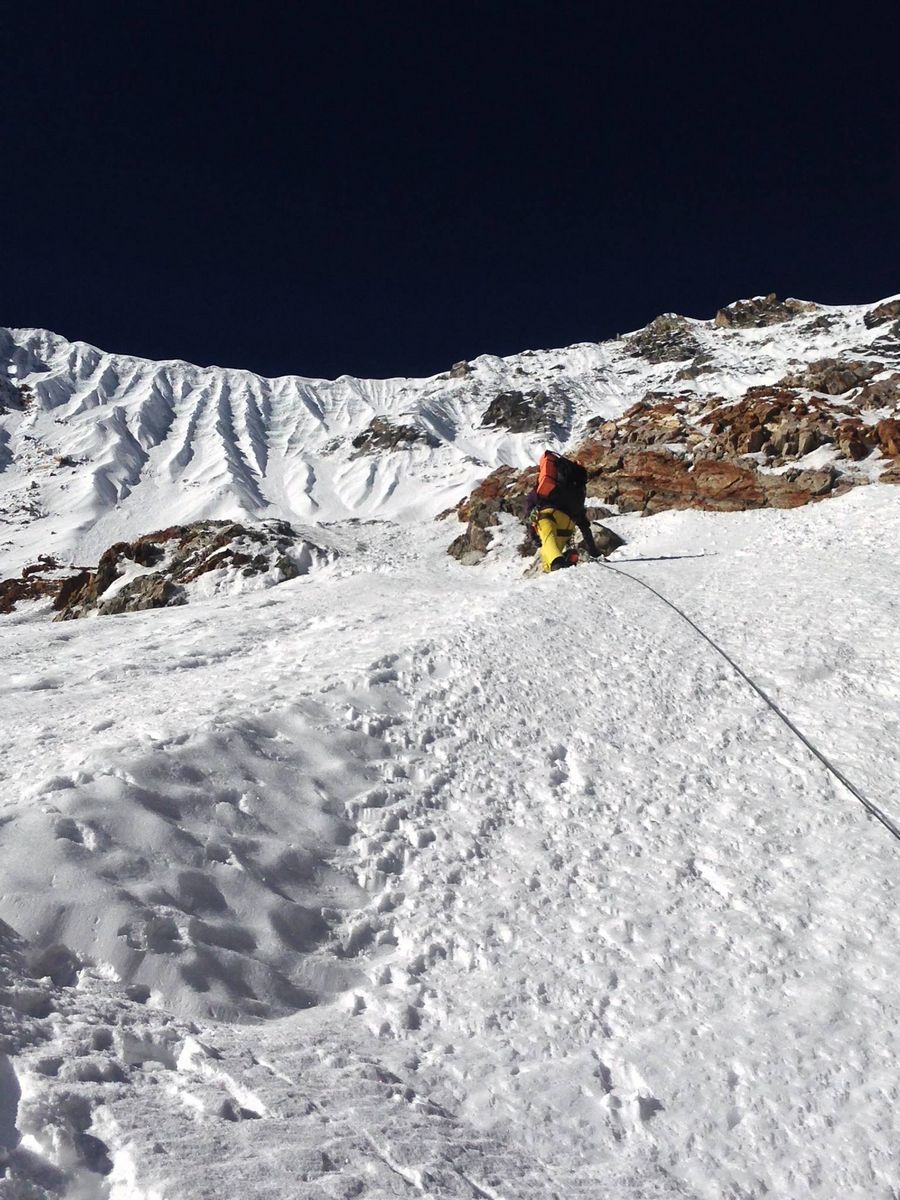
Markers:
833,377
680,450
175,558
778,422
882,313
888,434
760,311
382,435
784,427
460,370
888,343
880,393
504,490
604,539
38,581
668,338
15,397
158,569
650,481
525,412
701,364
473,544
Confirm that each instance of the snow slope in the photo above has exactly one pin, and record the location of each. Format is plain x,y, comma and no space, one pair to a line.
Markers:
406,878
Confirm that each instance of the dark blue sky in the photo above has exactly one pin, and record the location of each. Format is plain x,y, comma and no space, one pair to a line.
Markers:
383,188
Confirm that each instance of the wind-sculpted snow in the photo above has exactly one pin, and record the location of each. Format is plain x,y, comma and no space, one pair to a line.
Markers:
155,444
181,874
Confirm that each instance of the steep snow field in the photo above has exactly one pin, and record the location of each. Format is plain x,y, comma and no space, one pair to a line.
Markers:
596,923
410,879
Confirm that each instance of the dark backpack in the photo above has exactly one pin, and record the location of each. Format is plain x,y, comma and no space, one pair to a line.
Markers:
561,483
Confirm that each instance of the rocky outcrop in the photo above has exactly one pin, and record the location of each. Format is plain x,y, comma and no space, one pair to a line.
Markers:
779,423
668,338
701,364
503,491
40,580
684,451
156,570
165,568
381,434
888,434
832,376
879,393
679,450
761,311
783,426
472,544
651,481
15,397
525,412
460,370
882,313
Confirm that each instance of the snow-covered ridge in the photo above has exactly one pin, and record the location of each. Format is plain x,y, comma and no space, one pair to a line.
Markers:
109,447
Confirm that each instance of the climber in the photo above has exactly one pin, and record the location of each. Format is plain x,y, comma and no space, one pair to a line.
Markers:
554,509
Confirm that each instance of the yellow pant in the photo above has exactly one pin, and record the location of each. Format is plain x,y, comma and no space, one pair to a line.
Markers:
554,529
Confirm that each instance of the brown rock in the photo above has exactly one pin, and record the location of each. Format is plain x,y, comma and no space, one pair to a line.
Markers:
43,579
888,433
760,311
147,591
680,450
809,438
606,540
15,591
380,434
174,558
668,338
882,313
852,439
701,364
71,588
816,483
879,393
472,545
525,412
832,376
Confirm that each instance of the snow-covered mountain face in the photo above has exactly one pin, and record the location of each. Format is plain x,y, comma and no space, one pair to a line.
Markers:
413,878
97,448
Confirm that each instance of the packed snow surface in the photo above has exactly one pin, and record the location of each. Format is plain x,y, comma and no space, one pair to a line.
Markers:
597,924
410,879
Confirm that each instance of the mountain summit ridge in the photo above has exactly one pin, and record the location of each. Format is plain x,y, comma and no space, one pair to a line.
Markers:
101,447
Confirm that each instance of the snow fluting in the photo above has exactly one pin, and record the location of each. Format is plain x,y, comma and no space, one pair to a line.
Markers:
404,877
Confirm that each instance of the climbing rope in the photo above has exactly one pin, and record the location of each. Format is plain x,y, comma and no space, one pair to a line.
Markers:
872,809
